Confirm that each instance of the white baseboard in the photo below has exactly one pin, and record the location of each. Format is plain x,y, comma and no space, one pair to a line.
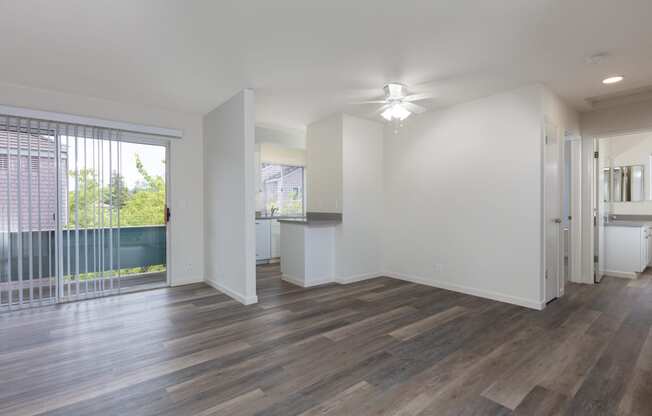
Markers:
624,275
357,278
339,280
186,281
301,283
293,280
528,303
233,294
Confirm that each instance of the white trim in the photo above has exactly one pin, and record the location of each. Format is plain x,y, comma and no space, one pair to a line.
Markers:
293,280
588,203
89,121
357,278
622,275
299,282
528,303
339,280
235,295
187,280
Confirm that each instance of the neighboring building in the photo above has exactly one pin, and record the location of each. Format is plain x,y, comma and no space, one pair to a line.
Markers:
29,164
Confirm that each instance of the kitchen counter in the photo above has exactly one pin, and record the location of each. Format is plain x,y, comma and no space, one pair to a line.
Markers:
625,223
279,218
315,218
306,221
307,247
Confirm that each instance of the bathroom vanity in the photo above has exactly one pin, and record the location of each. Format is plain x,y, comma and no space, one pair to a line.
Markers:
628,248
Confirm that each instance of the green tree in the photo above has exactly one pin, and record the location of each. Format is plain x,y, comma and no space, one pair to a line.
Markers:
117,195
86,200
146,205
94,206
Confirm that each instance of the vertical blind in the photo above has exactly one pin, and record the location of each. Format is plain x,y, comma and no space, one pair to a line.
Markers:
50,249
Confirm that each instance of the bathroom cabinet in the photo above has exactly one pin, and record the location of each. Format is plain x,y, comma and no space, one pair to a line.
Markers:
628,249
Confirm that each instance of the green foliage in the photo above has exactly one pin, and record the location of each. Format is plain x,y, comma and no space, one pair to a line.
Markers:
141,206
117,194
294,206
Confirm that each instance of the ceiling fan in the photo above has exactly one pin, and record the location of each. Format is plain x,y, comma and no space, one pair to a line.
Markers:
398,104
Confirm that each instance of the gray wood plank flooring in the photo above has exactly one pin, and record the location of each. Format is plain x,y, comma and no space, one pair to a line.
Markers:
378,347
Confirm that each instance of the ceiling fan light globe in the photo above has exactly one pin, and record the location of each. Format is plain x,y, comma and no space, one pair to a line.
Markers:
396,112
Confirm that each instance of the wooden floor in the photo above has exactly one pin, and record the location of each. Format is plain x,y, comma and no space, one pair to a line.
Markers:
379,347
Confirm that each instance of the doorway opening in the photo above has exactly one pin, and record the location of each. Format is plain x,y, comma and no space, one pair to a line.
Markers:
623,205
82,213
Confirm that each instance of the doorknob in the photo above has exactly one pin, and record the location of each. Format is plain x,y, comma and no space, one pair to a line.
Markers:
557,220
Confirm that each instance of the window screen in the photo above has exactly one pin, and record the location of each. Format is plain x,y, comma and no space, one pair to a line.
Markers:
282,189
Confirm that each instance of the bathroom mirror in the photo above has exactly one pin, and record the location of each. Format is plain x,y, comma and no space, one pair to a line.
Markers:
624,183
606,184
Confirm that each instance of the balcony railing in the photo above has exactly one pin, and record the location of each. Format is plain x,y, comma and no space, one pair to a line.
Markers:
133,247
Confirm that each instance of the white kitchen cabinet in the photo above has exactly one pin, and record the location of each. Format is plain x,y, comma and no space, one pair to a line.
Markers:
263,240
275,227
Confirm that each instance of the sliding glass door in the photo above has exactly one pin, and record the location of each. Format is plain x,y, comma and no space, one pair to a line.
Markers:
82,212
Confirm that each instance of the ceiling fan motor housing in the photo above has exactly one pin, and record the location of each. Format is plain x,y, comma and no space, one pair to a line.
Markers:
394,91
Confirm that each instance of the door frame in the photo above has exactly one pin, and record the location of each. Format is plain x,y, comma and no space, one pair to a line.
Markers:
168,224
575,249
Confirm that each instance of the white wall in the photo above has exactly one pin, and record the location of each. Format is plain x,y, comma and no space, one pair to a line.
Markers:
463,198
358,237
282,155
229,195
561,114
282,136
622,119
186,255
324,165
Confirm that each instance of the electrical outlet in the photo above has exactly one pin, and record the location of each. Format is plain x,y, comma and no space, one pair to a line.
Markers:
439,268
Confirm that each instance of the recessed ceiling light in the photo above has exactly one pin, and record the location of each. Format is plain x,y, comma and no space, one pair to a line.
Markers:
613,80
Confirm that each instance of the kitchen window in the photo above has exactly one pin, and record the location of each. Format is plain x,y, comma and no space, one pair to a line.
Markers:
283,190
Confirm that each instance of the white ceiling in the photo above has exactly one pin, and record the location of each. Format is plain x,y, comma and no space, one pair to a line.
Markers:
306,59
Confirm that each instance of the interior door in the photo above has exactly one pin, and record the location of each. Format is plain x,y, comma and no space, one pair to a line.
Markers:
552,210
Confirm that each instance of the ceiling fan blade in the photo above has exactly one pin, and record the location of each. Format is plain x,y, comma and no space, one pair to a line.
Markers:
370,102
414,108
378,110
418,97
